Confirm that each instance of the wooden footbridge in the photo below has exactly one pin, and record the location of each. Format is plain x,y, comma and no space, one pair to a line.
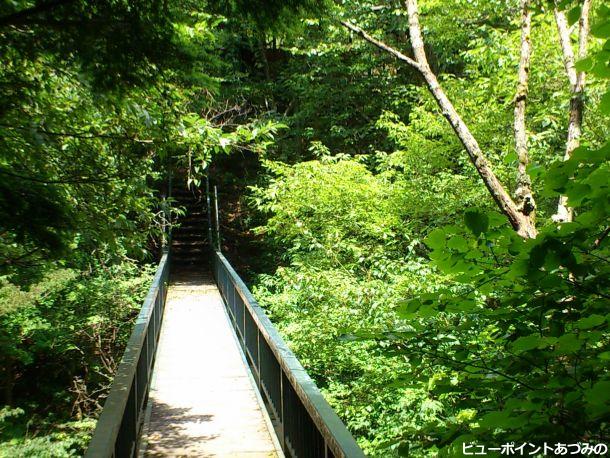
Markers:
206,374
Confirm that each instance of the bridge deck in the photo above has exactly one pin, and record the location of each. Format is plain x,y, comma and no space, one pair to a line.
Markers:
202,401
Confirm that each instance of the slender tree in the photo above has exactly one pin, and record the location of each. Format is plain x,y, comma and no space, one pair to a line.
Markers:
519,210
519,216
577,88
523,194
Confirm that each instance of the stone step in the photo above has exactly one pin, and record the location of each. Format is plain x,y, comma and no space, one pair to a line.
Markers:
182,250
183,192
191,261
189,230
190,243
188,237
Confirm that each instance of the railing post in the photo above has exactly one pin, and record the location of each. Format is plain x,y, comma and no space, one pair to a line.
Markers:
217,219
243,320
208,208
136,415
282,415
258,352
164,241
166,210
169,176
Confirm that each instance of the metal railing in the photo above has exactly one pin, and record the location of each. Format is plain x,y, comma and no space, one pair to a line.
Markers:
305,424
117,432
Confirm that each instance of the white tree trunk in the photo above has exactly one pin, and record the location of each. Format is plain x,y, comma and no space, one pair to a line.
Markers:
521,222
523,193
577,88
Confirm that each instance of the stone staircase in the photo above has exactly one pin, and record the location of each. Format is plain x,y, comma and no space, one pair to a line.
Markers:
190,245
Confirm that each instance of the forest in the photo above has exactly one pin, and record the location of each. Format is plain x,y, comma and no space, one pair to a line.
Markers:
416,192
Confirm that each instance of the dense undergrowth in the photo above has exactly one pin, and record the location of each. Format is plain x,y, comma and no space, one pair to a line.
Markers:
422,344
98,101
60,343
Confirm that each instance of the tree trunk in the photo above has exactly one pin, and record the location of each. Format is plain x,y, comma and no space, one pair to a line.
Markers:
522,222
262,47
499,194
523,194
577,88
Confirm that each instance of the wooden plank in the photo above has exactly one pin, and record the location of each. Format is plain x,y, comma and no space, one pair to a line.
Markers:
202,402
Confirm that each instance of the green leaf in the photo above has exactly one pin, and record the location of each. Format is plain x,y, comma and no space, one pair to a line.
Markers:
567,344
408,308
459,243
510,157
577,193
584,65
601,69
601,30
590,322
547,342
476,221
526,343
538,255
574,15
535,170
599,393
493,420
436,239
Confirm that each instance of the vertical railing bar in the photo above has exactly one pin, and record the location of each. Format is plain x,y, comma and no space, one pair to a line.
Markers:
282,413
135,409
243,326
217,220
258,352
208,208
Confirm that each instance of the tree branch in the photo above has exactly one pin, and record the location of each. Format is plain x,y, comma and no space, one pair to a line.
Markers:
21,16
566,45
521,222
381,45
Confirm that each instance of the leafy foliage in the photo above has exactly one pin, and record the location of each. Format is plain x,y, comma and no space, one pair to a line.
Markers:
72,328
424,318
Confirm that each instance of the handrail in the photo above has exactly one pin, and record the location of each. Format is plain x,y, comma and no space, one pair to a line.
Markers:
306,424
118,428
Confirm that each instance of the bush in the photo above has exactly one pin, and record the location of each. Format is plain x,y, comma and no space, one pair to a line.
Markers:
60,343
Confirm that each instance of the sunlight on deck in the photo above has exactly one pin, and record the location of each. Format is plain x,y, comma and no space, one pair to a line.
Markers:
202,401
